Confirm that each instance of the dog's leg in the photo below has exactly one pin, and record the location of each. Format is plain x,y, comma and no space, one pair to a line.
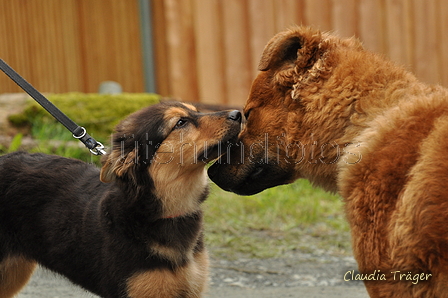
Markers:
199,272
14,274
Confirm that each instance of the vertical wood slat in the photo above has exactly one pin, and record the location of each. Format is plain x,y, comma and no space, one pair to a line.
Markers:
426,43
238,74
5,20
209,50
50,44
344,17
442,36
318,13
181,49
287,13
391,27
92,22
206,50
262,26
399,31
371,26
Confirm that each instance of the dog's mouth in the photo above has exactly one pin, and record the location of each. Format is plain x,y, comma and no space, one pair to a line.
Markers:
251,180
211,153
219,147
215,151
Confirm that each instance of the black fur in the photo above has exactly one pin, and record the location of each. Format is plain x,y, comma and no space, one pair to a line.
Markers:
91,239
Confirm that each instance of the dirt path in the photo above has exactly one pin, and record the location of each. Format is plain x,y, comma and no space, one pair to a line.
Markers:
297,275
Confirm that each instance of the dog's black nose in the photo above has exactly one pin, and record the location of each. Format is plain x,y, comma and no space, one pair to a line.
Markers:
234,115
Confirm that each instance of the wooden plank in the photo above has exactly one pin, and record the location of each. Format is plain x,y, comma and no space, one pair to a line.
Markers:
399,31
318,14
209,51
7,51
425,41
205,49
238,71
37,41
344,17
98,44
53,68
371,26
87,44
4,14
67,45
111,44
46,47
120,24
71,54
443,41
181,48
129,61
20,43
288,13
262,27
107,43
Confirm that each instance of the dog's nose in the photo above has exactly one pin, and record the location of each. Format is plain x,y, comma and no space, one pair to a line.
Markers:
235,115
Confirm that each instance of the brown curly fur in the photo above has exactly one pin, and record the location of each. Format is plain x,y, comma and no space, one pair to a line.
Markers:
354,123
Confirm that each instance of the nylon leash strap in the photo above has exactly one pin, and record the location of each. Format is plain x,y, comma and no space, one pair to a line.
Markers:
77,131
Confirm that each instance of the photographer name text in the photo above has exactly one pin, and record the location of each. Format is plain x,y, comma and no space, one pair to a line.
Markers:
414,278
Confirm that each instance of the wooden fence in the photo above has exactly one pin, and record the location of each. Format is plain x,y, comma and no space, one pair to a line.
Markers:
209,49
205,50
71,45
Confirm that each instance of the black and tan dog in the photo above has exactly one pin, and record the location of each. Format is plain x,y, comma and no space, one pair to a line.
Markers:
133,229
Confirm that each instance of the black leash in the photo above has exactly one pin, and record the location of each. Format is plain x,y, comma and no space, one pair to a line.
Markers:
78,132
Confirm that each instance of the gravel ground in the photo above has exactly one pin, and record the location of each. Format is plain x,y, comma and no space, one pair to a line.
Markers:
294,275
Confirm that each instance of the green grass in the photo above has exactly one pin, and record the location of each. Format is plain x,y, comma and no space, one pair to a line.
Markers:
295,217
98,113
276,221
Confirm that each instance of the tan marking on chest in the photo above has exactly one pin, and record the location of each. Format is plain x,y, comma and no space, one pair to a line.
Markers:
188,281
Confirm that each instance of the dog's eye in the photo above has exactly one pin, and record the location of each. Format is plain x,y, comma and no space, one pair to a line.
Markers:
181,123
246,115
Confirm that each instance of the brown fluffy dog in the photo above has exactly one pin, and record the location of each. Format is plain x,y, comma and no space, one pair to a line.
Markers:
325,109
137,232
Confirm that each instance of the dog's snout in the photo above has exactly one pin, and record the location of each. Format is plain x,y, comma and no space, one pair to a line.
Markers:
235,115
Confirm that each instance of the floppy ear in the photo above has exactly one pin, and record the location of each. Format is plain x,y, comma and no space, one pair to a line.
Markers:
297,46
134,144
116,165
281,49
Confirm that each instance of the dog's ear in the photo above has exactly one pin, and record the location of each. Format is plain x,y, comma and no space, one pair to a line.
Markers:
116,165
281,49
107,174
297,47
130,158
134,144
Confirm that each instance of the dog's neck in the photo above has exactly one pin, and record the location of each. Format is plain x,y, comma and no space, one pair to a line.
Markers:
180,191
173,216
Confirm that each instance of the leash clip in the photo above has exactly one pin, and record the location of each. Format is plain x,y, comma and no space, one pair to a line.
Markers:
95,147
98,150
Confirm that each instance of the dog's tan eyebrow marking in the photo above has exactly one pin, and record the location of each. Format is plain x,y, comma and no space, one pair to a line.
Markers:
191,107
175,112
